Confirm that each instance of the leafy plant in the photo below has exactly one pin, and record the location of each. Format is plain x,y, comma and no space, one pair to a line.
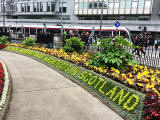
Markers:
74,44
29,41
113,53
3,39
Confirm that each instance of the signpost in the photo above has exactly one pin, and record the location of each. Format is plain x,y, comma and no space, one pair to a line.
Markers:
117,24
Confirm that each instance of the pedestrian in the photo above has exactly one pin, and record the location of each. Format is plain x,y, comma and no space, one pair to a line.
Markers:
70,34
141,42
156,43
64,37
136,43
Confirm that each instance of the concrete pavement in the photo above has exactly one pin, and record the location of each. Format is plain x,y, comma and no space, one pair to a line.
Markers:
40,93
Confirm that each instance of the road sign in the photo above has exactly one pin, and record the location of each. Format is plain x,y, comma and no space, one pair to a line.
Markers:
117,24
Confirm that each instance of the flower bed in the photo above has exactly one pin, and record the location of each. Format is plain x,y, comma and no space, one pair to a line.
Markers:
126,101
4,89
2,46
138,77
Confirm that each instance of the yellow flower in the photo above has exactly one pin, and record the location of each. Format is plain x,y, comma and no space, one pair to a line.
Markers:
117,71
141,67
145,73
129,75
140,84
100,70
124,76
130,81
138,77
153,78
151,71
135,69
145,68
149,86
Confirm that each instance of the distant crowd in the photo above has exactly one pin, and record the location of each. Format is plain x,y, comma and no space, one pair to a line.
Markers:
144,42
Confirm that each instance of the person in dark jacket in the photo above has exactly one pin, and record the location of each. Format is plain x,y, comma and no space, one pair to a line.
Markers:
136,43
85,39
70,34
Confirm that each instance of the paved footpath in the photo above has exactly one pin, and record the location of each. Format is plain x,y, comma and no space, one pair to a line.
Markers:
40,93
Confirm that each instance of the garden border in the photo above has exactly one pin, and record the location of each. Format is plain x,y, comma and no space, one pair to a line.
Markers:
94,93
7,92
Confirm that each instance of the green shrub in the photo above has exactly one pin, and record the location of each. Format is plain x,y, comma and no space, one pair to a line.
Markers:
3,39
29,41
113,53
74,44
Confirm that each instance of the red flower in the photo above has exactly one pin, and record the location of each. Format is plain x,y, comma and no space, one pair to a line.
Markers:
1,82
158,101
147,118
153,104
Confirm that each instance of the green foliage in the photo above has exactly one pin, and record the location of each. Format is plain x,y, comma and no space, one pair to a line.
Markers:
3,39
113,53
29,41
74,44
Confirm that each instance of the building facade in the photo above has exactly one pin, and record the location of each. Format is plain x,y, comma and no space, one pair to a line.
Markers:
131,13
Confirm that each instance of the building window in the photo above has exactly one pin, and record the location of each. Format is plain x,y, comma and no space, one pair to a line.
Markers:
38,6
52,6
122,4
128,4
41,7
28,7
22,7
34,7
90,6
141,4
95,5
63,7
48,6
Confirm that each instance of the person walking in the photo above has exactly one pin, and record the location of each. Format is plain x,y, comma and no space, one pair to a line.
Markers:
141,41
86,38
156,44
64,37
136,43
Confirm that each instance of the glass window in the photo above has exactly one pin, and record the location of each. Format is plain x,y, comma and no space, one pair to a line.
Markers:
22,7
90,6
34,7
134,4
95,5
85,5
63,7
106,4
122,4
28,7
110,5
76,7
80,6
52,6
116,6
38,6
148,4
48,6
128,4
100,5
141,4
41,7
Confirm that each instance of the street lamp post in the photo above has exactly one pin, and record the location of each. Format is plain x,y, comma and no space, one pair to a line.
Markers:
61,11
101,19
3,17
